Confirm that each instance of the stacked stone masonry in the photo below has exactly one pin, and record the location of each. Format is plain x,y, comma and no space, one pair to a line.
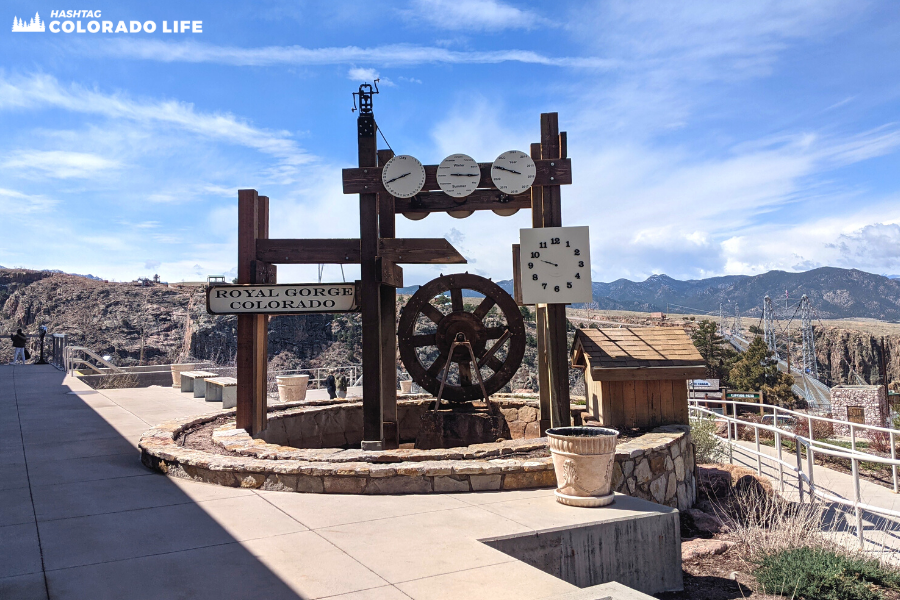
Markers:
869,398
657,466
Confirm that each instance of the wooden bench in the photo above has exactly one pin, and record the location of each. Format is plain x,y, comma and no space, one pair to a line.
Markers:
195,381
222,389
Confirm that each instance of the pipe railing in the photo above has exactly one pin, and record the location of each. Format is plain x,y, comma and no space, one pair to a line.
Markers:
810,445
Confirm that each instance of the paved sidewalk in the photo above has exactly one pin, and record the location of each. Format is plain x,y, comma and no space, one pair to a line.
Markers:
81,517
881,534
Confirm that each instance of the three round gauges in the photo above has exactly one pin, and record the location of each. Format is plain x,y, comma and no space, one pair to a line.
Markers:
458,176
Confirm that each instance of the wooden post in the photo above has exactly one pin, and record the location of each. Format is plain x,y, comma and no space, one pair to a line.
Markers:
556,313
540,314
370,292
387,229
252,330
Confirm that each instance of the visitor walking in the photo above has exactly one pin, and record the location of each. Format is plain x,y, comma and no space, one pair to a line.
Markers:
330,385
341,386
18,342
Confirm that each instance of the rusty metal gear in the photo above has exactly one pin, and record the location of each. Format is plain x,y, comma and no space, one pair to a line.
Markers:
486,341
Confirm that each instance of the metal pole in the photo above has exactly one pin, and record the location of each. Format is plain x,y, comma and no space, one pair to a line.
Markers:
809,450
728,422
894,457
780,466
758,454
853,437
810,465
859,527
799,469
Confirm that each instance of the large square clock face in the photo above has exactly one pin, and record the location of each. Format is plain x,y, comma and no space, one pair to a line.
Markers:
555,265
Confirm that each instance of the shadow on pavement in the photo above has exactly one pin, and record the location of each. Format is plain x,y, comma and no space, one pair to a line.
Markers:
81,517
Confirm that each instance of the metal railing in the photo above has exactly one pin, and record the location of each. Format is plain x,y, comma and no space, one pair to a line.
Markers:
810,445
77,357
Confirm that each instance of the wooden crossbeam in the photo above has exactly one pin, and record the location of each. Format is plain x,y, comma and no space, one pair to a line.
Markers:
420,251
308,252
429,202
368,180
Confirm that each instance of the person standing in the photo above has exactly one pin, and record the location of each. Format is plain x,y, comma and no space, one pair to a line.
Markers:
18,342
330,385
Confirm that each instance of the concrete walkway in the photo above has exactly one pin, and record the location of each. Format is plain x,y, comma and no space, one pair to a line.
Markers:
81,517
881,534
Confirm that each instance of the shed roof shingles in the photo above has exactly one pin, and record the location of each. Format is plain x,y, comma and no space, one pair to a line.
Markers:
645,347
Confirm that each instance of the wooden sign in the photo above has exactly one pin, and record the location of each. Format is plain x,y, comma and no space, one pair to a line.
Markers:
282,299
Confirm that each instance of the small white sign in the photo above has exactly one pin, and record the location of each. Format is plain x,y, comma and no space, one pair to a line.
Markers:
281,299
555,265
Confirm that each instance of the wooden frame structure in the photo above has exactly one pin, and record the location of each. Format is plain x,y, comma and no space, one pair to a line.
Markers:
379,253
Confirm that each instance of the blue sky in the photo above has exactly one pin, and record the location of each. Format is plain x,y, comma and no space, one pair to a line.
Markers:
707,138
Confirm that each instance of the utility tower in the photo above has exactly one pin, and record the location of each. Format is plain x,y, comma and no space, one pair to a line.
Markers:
721,319
806,332
769,324
738,326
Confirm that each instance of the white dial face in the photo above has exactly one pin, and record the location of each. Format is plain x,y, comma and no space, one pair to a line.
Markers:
513,172
403,176
458,175
555,265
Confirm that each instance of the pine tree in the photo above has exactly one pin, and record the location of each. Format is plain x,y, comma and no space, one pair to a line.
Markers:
719,356
757,370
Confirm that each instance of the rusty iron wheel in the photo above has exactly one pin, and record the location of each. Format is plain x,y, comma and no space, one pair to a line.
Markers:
486,341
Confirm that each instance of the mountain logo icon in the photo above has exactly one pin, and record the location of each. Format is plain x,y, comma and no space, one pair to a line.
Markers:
35,25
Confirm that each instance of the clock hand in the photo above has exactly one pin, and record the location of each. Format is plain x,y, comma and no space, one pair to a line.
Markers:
465,175
398,177
549,263
505,169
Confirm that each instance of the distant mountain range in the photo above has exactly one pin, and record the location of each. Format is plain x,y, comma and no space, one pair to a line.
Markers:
834,293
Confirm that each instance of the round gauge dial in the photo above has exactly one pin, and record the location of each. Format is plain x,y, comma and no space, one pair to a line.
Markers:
513,172
403,176
458,175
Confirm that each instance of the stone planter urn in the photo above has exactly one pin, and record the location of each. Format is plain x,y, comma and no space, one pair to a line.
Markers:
406,386
583,458
292,387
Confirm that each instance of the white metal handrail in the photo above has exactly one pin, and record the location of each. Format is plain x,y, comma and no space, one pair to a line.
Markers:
811,446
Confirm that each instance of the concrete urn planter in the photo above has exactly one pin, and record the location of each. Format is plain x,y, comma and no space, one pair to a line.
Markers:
405,386
292,387
583,459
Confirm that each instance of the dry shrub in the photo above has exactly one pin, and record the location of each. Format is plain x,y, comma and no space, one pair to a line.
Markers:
821,430
116,381
745,432
879,441
767,523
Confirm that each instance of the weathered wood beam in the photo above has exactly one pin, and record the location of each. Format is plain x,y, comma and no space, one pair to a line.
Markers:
429,202
308,252
557,171
420,251
648,373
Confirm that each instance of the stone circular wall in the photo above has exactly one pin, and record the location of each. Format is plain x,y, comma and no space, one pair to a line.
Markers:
657,466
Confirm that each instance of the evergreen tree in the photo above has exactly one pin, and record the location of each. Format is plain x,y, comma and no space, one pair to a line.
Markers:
717,353
757,370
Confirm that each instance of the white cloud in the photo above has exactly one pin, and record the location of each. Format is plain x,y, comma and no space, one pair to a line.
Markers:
472,15
41,91
386,55
13,203
59,164
362,75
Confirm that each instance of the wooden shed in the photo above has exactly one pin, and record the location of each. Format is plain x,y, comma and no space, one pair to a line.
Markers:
637,377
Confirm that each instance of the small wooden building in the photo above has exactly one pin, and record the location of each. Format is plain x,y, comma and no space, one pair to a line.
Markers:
637,377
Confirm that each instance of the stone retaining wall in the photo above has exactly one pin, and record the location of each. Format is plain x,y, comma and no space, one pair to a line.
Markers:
657,466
